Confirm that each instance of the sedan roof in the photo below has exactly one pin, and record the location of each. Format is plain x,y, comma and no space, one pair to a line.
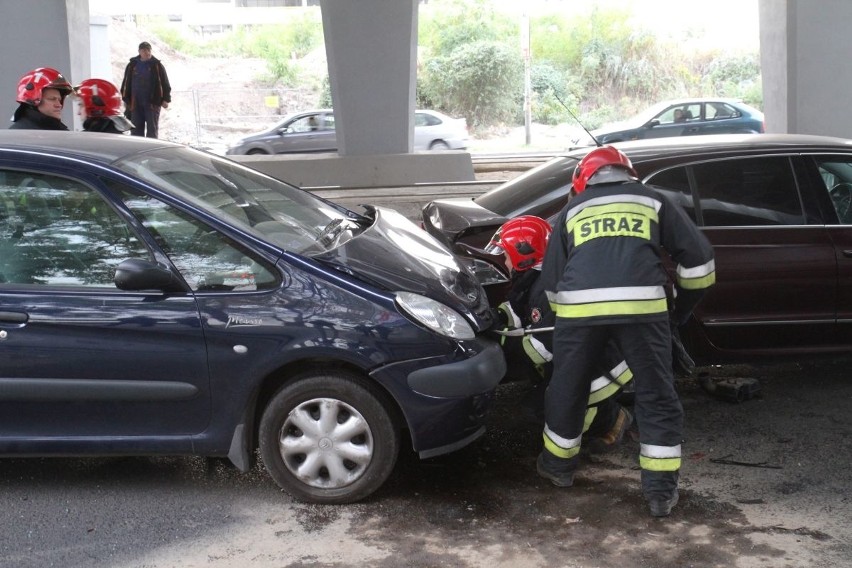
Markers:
724,144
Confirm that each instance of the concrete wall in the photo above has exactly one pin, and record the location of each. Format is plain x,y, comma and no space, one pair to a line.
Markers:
42,33
805,47
331,170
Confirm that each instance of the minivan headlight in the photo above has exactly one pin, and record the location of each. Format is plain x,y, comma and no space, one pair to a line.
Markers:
435,315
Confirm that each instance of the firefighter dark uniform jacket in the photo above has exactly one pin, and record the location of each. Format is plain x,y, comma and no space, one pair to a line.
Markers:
627,224
27,117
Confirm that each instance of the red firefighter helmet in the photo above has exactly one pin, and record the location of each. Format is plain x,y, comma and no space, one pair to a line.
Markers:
595,160
523,239
99,97
31,85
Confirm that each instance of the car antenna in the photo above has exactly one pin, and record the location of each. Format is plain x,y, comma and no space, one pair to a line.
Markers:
577,120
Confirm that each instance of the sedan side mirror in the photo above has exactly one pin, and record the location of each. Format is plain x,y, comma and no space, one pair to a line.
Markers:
136,274
653,123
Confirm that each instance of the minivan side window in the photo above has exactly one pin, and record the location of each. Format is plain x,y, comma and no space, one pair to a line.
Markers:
836,174
55,231
208,260
747,192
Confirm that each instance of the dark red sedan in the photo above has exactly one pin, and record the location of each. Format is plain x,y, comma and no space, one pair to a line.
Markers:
777,208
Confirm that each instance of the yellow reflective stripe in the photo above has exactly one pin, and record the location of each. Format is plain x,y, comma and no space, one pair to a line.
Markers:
514,321
536,350
559,452
559,446
623,308
609,294
697,277
624,377
590,416
659,464
615,204
697,283
615,220
604,393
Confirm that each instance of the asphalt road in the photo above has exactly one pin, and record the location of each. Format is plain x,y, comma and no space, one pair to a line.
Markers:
781,496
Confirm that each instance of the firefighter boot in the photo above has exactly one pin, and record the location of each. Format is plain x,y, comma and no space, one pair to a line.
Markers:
614,435
662,507
547,471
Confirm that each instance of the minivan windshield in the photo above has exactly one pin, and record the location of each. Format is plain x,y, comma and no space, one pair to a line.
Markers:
275,211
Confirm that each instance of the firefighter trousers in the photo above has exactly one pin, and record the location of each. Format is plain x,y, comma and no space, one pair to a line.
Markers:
647,348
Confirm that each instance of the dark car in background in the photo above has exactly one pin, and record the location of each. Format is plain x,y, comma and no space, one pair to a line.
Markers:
777,209
155,299
314,131
685,117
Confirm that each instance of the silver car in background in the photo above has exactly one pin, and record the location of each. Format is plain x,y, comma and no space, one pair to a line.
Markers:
313,131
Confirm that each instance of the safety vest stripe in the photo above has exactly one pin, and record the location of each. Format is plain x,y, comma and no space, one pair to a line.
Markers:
536,351
615,293
659,464
615,200
627,308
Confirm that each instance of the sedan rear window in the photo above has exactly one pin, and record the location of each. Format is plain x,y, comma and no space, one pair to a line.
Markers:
747,192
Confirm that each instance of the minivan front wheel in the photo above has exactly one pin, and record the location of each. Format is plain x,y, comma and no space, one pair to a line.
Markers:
328,438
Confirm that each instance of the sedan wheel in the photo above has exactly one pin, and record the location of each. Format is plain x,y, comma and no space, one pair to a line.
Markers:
328,438
255,151
439,146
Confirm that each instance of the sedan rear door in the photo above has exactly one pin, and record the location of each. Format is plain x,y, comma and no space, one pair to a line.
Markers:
776,285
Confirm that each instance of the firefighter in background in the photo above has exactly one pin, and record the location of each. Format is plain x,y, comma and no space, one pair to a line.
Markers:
522,242
605,280
100,107
41,94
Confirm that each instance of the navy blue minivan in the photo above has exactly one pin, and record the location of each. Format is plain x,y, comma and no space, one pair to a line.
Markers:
155,299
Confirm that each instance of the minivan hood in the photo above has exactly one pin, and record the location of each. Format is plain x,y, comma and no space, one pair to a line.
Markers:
399,256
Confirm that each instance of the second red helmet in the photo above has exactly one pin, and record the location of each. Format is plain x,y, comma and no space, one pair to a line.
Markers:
595,160
32,84
523,239
99,97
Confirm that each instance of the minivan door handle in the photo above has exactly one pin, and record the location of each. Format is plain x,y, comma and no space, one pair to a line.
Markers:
13,317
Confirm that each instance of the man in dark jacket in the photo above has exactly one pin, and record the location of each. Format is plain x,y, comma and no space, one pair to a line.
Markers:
41,94
145,89
605,280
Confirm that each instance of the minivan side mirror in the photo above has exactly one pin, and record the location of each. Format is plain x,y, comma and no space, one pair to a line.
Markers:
136,274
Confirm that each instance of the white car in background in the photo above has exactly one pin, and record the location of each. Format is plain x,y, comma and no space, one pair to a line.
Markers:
314,131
